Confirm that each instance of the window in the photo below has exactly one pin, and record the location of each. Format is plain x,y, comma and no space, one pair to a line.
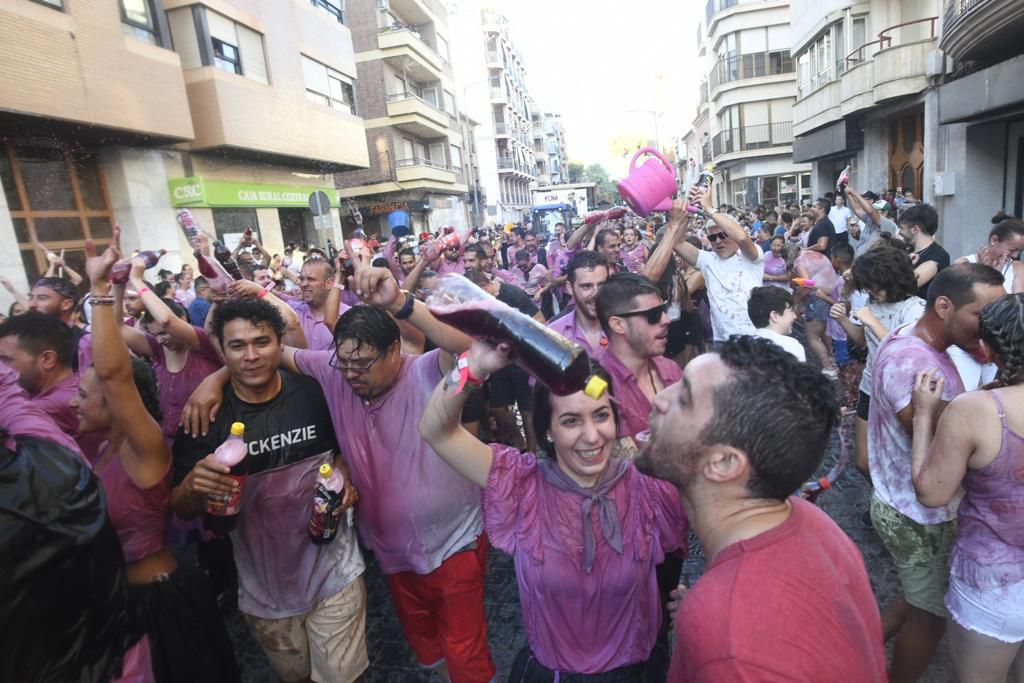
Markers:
815,65
442,48
437,154
234,222
56,4
456,158
225,56
449,103
137,20
326,86
236,48
332,8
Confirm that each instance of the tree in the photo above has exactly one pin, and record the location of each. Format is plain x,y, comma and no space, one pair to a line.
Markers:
605,189
575,172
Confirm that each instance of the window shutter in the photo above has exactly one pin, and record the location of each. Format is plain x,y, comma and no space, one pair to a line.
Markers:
254,63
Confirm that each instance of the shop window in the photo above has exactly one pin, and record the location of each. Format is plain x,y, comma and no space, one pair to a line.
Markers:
56,197
230,224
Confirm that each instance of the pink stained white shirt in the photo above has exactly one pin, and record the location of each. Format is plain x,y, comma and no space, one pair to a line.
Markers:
55,401
531,281
900,357
634,406
177,387
566,326
577,621
318,336
20,415
445,266
635,258
414,511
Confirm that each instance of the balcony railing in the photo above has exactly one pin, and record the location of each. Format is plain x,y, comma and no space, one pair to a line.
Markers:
957,10
512,164
419,161
884,41
756,65
500,128
396,97
499,95
752,137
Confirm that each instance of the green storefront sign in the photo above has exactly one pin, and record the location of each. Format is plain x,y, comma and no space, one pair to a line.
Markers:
196,192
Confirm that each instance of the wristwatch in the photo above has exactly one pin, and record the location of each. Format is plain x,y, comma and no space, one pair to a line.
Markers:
406,310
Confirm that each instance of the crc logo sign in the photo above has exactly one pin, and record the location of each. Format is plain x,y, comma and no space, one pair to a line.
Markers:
192,191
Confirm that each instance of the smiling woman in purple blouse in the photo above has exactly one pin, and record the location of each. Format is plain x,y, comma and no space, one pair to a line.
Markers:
585,528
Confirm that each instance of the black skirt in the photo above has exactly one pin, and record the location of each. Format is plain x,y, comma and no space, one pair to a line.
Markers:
188,640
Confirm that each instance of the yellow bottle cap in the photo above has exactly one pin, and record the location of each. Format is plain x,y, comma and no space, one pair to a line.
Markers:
595,387
326,470
237,428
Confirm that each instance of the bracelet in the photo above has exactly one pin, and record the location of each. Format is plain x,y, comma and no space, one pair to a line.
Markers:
266,290
102,300
407,308
462,378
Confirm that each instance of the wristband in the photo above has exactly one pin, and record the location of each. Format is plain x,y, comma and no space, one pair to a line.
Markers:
142,291
407,308
265,290
461,376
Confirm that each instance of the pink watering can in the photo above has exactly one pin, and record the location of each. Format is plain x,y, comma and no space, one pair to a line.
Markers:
649,187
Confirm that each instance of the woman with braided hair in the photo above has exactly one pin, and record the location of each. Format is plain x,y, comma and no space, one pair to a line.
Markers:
979,444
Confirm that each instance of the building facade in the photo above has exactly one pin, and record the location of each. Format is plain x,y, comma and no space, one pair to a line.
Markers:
407,97
746,110
110,125
915,96
491,76
549,147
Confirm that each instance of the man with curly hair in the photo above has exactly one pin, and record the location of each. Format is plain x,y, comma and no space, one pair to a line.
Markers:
919,537
782,578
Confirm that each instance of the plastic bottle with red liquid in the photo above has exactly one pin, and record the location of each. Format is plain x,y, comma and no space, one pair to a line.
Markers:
704,180
121,270
843,181
209,268
356,243
450,237
554,360
324,522
226,259
609,215
222,515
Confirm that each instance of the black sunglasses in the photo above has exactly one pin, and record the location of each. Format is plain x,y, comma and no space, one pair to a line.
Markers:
715,236
653,314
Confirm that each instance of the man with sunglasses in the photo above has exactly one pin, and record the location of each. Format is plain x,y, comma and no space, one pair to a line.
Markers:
634,317
451,261
733,267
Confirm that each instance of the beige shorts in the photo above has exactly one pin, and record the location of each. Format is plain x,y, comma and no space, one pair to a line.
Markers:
327,644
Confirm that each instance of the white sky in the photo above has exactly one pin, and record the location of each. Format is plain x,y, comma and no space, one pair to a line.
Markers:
594,61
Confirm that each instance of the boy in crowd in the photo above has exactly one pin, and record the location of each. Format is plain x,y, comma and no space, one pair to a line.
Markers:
771,310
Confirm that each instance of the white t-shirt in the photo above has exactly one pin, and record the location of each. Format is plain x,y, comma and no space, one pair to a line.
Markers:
840,217
786,342
729,282
891,316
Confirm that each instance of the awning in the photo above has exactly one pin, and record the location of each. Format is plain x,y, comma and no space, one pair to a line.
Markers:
983,93
832,140
194,191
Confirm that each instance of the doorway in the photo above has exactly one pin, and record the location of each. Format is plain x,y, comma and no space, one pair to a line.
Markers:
906,152
297,227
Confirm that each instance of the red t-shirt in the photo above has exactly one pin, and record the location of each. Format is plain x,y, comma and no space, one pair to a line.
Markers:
791,604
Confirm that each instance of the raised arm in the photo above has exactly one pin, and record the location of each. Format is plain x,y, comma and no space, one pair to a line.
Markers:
146,458
294,336
378,287
656,264
440,424
733,230
413,278
19,297
867,209
161,312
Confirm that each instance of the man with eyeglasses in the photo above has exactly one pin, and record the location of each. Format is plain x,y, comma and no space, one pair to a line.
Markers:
634,317
451,260
733,267
305,603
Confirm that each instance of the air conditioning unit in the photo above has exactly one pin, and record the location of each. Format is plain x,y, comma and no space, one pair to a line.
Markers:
383,4
944,183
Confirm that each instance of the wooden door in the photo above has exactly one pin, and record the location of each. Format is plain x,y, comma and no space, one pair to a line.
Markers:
906,152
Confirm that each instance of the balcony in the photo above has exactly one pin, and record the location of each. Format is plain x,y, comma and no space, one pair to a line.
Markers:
856,92
417,116
985,31
403,50
513,165
499,96
819,108
744,67
224,117
494,60
417,170
751,138
901,70
501,129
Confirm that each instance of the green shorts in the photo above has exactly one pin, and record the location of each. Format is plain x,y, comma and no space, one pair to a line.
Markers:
921,554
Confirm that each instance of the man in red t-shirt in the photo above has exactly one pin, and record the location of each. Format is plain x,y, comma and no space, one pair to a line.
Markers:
785,596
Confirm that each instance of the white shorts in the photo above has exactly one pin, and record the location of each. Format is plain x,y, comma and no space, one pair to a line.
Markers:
995,612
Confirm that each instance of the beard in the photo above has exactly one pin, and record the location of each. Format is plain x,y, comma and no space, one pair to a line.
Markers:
674,463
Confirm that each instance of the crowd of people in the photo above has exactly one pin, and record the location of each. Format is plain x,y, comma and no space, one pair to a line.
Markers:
714,417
